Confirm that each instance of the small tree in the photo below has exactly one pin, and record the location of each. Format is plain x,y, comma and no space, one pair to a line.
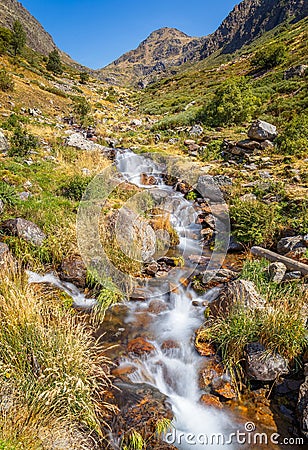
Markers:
81,108
22,143
6,81
54,62
84,77
19,38
233,103
5,40
270,56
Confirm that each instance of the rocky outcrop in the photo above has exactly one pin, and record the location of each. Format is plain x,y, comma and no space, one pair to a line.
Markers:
4,144
24,229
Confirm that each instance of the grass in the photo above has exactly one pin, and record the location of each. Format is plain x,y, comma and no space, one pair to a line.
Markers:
51,368
280,326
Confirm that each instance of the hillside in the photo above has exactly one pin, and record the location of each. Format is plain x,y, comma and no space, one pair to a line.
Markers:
165,50
38,39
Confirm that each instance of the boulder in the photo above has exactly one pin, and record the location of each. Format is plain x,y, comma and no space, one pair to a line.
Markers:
239,292
211,400
289,244
196,130
24,229
140,346
296,71
73,270
262,365
277,271
78,140
262,131
4,143
148,180
249,145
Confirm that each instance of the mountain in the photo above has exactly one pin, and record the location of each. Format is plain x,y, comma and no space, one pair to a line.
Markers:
37,37
166,49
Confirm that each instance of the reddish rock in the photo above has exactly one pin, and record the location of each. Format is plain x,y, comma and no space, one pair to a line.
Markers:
148,180
211,368
205,348
140,346
167,345
223,388
211,400
157,306
73,270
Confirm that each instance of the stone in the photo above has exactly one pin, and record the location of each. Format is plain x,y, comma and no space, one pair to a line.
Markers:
189,142
78,140
211,368
289,244
262,365
248,144
170,344
157,306
248,197
5,254
24,229
291,276
205,348
238,292
296,71
302,407
211,400
73,270
4,143
223,180
196,130
262,131
277,271
148,180
140,346
221,276
222,386
151,268
136,123
267,145
24,196
1,206
235,246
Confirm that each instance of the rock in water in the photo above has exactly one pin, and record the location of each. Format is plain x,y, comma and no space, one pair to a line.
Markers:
24,229
140,346
73,270
262,365
262,131
4,144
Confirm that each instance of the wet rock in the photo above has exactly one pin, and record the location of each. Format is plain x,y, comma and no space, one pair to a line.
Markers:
148,180
211,368
4,143
157,306
277,271
205,348
302,407
262,131
296,71
123,371
73,270
211,400
183,187
170,344
140,346
289,244
222,386
238,292
262,365
24,229
196,130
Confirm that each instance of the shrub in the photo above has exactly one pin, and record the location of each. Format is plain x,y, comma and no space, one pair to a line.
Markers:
212,151
22,143
75,187
8,194
84,77
19,38
81,108
293,140
13,121
6,81
233,103
5,40
269,57
54,62
254,222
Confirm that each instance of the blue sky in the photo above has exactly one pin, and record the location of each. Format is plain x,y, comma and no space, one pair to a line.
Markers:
97,32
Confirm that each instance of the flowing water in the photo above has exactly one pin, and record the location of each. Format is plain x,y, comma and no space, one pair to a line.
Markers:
173,371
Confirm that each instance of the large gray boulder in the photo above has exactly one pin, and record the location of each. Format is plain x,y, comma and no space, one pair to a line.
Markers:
262,365
24,229
4,143
78,140
289,244
262,131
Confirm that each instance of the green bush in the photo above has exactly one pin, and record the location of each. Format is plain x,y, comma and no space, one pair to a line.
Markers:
75,187
212,151
84,77
233,103
13,121
254,222
54,62
81,108
19,38
6,81
294,139
5,40
22,143
269,57
7,194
